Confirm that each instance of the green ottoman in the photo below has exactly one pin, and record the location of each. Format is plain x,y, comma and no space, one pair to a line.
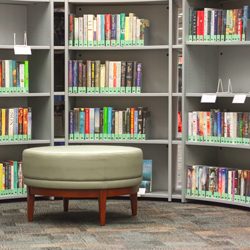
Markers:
93,171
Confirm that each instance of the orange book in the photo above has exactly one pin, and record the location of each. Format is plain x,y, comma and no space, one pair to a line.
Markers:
115,75
20,121
132,113
25,121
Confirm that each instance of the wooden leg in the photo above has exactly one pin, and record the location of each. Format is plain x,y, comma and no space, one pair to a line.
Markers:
30,204
65,204
102,207
133,200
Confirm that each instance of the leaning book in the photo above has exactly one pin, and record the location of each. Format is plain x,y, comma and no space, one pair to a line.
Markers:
146,184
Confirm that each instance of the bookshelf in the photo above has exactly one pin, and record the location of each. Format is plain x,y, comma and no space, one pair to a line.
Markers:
205,62
48,85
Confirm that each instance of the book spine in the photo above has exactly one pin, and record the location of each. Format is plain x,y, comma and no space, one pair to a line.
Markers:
26,75
107,28
105,120
76,31
87,121
110,120
97,120
129,74
71,30
123,74
92,120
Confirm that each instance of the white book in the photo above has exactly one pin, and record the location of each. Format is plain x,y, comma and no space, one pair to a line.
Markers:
116,122
118,73
212,21
118,27
205,21
90,28
7,73
76,31
11,122
127,28
190,123
94,29
97,120
131,21
106,73
111,75
242,184
134,28
21,75
120,132
98,28
229,186
80,31
92,120
12,176
138,29
102,75
85,29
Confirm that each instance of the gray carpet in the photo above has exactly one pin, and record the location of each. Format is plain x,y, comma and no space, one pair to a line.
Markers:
159,225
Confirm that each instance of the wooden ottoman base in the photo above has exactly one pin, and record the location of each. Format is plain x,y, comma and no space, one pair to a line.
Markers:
66,194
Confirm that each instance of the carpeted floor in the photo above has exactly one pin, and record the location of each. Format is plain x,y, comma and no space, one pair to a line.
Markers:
159,225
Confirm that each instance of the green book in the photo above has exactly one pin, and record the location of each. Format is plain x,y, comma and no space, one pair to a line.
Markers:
122,28
15,175
26,75
105,120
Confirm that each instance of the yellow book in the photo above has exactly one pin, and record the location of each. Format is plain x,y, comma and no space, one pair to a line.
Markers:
1,177
127,30
3,121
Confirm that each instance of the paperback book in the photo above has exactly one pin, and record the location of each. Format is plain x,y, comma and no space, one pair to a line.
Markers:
146,184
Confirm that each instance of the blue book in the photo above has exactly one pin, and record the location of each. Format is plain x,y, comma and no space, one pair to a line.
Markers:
146,183
219,124
82,121
109,120
136,122
75,73
113,27
102,27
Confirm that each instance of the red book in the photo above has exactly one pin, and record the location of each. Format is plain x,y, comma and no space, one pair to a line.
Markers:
132,117
108,27
201,23
87,121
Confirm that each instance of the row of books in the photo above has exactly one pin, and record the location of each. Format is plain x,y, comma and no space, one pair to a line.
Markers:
107,30
218,126
108,77
108,123
219,24
146,183
219,183
15,124
11,177
14,76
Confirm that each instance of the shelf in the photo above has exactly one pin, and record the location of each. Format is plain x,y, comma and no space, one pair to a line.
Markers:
177,94
246,43
120,95
223,145
59,140
118,2
230,95
155,194
149,47
7,197
178,46
33,47
28,142
177,142
160,142
218,201
59,93
25,95
59,47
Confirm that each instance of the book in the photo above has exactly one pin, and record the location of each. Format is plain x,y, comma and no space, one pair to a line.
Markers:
108,123
107,29
146,184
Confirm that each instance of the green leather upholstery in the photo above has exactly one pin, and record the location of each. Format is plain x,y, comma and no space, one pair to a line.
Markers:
82,167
